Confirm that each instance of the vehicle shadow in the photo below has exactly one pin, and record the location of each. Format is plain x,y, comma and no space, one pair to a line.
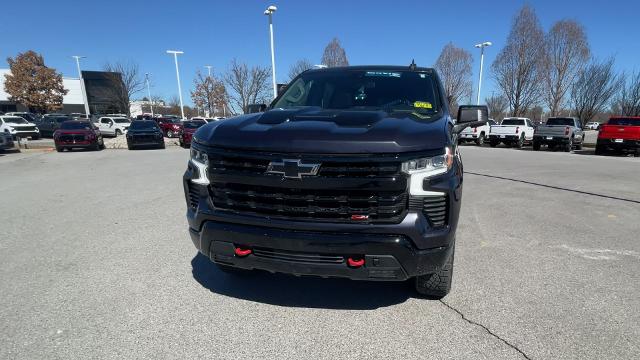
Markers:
292,291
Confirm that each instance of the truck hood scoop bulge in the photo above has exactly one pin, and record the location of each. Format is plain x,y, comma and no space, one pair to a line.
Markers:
315,130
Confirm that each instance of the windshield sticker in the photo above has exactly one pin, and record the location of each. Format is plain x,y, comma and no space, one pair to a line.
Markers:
422,105
383,74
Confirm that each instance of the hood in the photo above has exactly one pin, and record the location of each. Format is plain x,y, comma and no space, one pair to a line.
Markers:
144,131
316,130
73,131
18,126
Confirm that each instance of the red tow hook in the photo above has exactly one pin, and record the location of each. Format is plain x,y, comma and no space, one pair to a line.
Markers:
240,252
355,263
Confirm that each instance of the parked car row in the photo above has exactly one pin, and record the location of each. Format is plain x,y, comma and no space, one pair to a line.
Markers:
620,134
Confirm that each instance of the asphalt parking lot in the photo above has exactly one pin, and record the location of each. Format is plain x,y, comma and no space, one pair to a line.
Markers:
96,262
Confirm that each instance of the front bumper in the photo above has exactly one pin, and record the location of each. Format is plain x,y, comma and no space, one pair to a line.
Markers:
392,252
619,145
25,134
79,144
144,142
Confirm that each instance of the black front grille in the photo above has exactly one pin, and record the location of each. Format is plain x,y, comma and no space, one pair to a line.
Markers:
283,255
332,205
361,189
26,128
72,137
255,165
145,138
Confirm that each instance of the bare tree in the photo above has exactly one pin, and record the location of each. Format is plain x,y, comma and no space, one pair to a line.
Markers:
594,88
299,67
247,85
498,106
566,53
628,101
334,55
125,85
517,66
209,93
454,67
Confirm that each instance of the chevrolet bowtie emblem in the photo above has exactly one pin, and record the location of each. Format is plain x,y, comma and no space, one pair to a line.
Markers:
292,168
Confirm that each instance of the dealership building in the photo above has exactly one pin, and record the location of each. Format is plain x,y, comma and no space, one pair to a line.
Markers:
100,89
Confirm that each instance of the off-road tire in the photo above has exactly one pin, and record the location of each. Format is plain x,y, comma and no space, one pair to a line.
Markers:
436,285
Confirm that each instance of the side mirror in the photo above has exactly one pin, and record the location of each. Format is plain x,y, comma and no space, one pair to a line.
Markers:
471,115
255,108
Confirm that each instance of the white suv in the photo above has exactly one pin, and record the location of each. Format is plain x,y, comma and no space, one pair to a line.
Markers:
113,126
19,127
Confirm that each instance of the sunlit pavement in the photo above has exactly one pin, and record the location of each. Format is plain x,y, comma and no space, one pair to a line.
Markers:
96,262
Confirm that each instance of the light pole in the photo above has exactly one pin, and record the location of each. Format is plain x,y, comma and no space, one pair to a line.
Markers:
82,90
481,46
208,69
269,12
146,79
175,56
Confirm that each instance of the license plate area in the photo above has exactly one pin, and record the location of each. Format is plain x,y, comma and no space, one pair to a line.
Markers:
502,136
549,137
618,140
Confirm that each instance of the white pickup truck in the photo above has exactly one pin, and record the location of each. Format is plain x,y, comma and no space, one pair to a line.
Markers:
513,131
113,126
476,134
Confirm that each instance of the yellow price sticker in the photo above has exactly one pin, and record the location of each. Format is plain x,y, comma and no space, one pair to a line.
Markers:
422,104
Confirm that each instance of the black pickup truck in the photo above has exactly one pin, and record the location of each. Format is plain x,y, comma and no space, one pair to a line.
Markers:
351,172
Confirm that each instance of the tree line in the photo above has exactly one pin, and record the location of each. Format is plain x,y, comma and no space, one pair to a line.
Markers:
40,88
544,74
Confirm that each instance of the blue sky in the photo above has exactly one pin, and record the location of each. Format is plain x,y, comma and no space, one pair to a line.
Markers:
213,32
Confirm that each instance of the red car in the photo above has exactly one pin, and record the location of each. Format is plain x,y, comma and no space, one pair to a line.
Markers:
78,134
171,127
188,129
620,134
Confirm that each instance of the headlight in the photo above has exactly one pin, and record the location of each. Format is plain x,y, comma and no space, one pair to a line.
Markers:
424,168
201,161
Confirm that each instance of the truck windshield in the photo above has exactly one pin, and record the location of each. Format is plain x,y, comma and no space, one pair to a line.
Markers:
143,125
391,91
512,122
625,121
15,120
193,124
560,121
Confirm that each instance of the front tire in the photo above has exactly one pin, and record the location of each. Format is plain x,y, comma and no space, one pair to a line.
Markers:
170,133
59,149
437,285
118,132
